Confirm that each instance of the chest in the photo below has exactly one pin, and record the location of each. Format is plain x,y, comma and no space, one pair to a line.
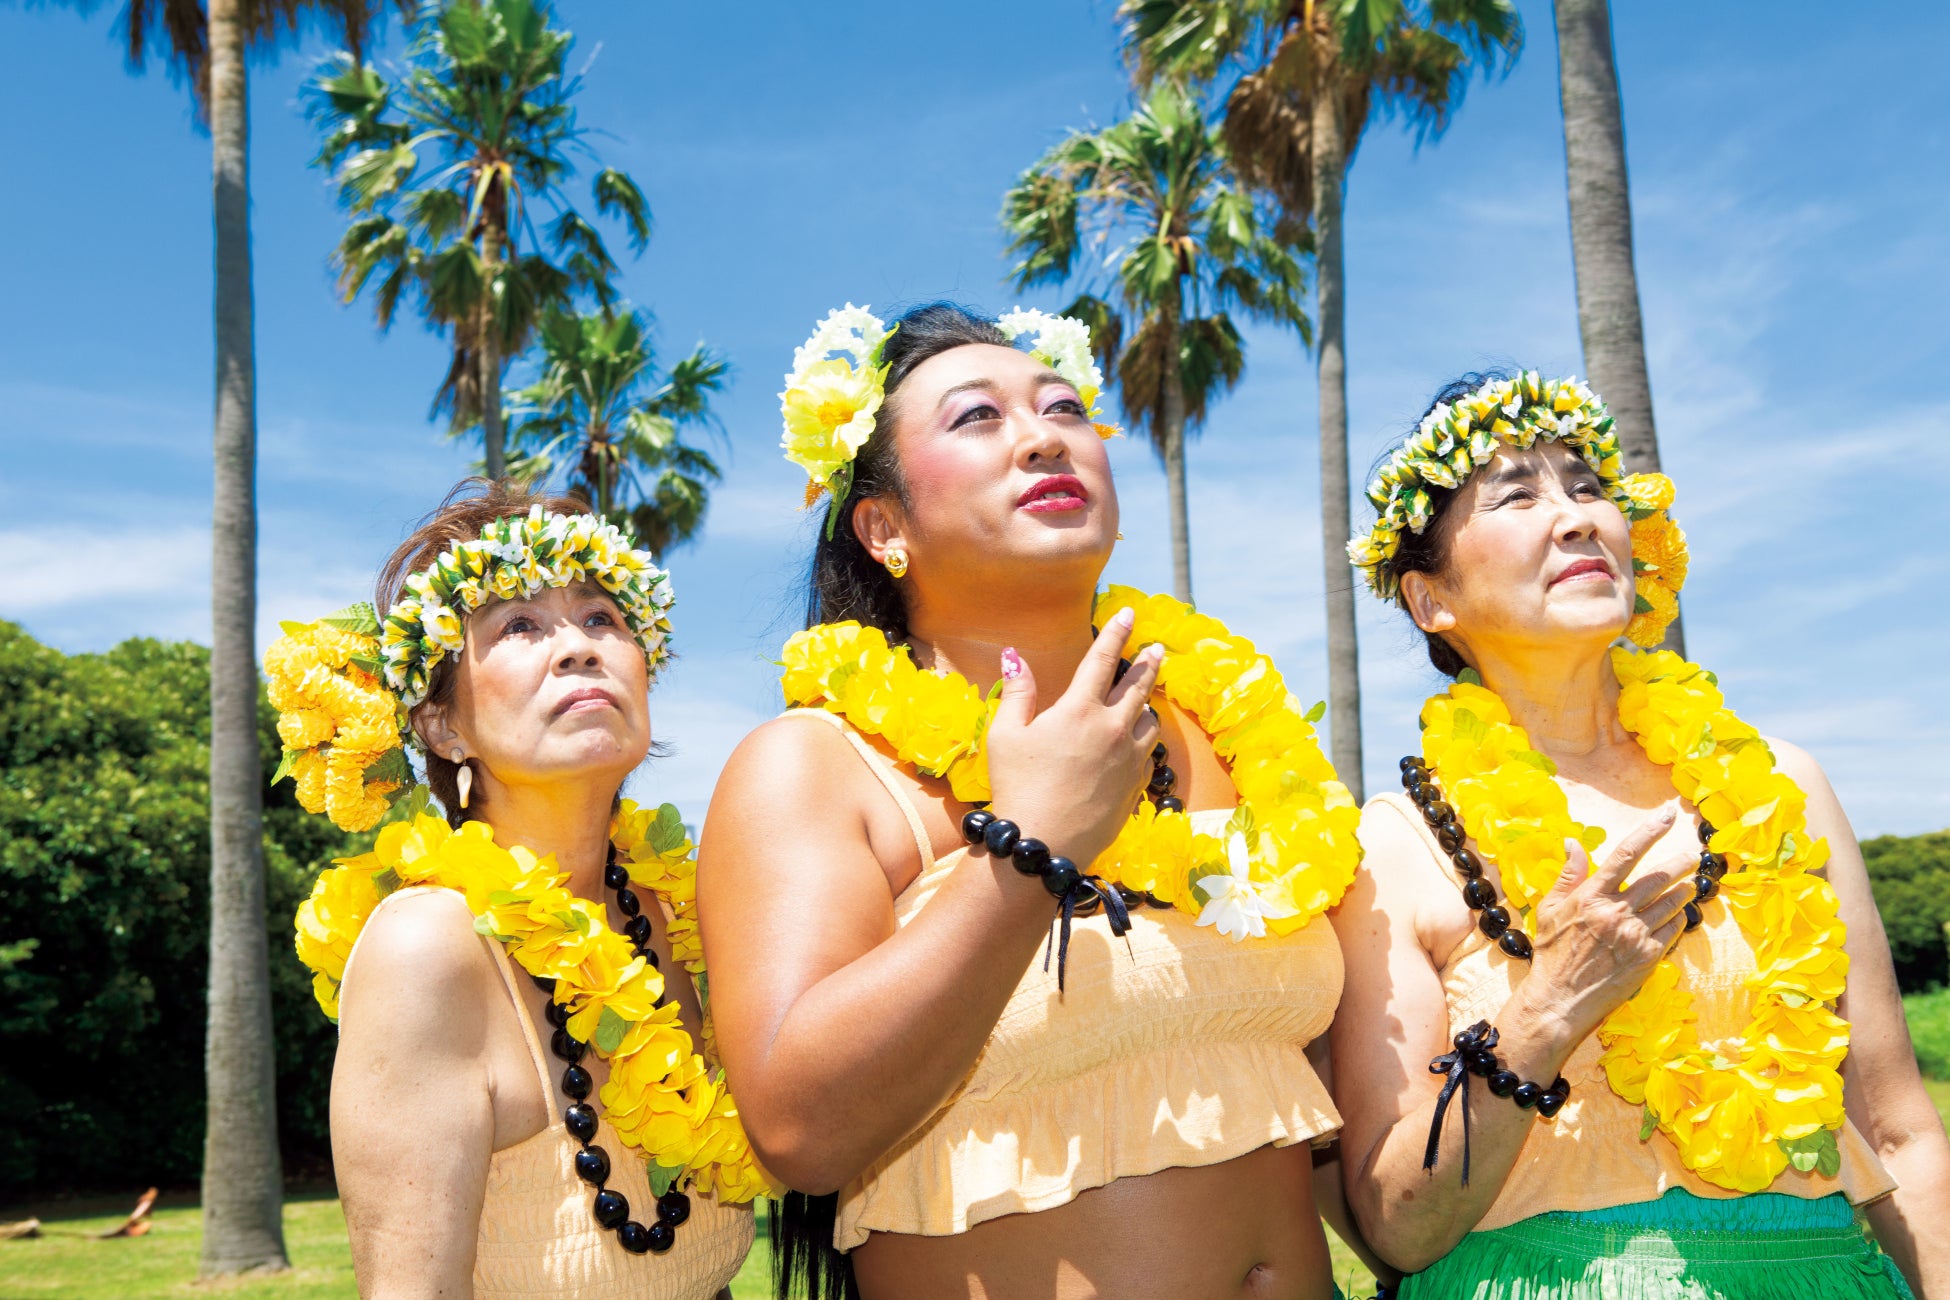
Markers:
1203,783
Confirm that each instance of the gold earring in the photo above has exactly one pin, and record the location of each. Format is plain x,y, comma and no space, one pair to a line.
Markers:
896,562
1120,537
464,778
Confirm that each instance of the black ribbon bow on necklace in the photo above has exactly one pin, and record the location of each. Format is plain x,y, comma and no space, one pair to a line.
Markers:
1087,889
1474,1054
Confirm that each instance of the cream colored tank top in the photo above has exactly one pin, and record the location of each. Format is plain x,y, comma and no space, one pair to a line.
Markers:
1590,1156
537,1235
1181,1049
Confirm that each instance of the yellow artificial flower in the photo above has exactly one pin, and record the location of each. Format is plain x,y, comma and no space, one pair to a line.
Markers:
1649,491
829,413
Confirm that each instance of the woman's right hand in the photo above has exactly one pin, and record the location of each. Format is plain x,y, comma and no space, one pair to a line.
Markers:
1070,775
1596,943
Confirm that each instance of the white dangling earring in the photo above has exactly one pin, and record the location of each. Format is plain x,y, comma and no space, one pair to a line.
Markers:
463,778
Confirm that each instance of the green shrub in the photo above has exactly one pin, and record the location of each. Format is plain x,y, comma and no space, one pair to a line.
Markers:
1911,879
104,919
1929,1029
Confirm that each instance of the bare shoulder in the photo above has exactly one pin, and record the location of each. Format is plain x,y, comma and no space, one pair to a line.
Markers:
790,750
1798,765
419,962
1391,849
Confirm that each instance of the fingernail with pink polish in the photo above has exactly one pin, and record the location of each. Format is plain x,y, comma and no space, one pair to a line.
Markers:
1011,664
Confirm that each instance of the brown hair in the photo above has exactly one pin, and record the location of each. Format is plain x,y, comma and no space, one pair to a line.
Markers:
472,505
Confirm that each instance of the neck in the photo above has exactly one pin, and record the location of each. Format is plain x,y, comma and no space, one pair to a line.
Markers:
1051,635
1566,704
569,819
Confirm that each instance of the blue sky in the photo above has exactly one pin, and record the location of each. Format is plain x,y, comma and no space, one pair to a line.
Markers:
1789,180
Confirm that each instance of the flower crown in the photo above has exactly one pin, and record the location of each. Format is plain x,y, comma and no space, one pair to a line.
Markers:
1458,438
839,381
345,684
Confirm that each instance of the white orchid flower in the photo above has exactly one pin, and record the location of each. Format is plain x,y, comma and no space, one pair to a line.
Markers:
1235,902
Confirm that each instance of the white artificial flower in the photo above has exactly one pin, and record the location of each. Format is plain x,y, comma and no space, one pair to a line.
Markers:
849,329
1235,903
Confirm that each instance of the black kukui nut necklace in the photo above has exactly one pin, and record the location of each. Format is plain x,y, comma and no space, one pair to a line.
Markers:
1493,918
1473,1052
612,1209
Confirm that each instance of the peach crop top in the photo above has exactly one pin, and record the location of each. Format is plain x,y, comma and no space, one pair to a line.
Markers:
1590,1157
1184,1049
537,1235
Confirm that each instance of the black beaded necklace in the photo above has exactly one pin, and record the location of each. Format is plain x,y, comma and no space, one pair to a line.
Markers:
1493,919
612,1209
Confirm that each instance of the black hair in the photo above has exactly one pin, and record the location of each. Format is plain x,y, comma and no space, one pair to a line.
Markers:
1428,550
846,582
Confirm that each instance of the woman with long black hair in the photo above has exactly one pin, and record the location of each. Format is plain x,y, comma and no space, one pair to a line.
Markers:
1011,917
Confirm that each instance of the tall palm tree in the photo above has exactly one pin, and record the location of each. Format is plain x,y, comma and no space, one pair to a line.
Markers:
444,167
1301,79
243,1181
1192,247
1601,234
602,415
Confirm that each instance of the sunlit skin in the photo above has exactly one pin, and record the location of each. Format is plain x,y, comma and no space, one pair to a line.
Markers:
841,1032
433,1075
1535,588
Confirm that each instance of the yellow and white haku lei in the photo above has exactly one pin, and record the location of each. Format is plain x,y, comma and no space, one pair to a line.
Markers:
1288,852
663,1097
344,685
1456,439
1742,1110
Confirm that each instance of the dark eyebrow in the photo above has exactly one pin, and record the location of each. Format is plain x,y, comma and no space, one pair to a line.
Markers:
1044,379
1512,471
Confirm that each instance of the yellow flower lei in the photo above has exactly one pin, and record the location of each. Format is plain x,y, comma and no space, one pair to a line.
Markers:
1297,818
662,1097
1742,1110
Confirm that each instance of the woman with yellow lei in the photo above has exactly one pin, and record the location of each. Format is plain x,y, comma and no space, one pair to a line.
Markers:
1014,948
520,1106
1671,1073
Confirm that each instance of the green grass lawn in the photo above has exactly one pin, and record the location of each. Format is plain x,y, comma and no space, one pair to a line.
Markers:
69,1267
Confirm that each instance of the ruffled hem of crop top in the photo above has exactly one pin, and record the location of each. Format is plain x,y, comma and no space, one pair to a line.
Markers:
1179,1048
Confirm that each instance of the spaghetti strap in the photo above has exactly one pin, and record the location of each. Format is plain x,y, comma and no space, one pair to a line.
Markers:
507,969
883,770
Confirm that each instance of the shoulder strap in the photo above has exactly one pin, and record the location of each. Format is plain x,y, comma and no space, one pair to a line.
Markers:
503,964
881,768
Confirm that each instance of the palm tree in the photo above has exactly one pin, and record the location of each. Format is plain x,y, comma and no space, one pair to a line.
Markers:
243,1180
1302,78
588,416
1601,234
1193,248
443,168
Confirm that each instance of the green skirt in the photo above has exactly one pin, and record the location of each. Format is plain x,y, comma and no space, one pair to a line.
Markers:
1766,1246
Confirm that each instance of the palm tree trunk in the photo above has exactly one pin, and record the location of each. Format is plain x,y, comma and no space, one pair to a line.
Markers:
1601,233
1172,429
1343,651
243,1182
492,433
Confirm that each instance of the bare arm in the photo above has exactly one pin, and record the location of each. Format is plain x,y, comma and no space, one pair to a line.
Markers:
1881,1084
1329,1191
1594,947
840,1032
412,1114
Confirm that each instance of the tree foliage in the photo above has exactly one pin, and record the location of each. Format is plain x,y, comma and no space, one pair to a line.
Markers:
1911,879
104,919
602,416
455,168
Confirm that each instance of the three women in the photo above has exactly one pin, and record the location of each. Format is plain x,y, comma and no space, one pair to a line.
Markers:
1013,938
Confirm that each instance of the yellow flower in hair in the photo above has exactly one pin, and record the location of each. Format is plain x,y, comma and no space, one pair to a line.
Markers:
829,414
1649,491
